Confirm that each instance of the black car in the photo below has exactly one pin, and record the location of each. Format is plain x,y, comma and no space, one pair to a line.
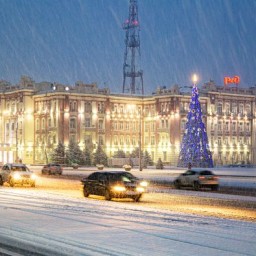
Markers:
114,184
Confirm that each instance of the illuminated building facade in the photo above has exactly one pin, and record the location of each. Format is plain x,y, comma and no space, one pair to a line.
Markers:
34,117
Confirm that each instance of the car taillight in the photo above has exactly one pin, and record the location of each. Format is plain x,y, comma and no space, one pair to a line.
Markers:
201,177
215,177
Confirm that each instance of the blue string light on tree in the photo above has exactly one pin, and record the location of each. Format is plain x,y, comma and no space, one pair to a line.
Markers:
195,146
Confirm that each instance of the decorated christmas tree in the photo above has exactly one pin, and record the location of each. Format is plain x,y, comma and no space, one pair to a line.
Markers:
195,150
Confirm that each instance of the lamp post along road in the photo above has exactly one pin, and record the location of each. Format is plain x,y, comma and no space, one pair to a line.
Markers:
140,140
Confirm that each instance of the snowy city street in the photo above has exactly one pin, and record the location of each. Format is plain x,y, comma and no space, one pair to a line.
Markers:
52,223
55,219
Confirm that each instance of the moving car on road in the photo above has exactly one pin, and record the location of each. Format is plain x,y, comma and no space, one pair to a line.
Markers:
17,174
114,184
197,179
52,169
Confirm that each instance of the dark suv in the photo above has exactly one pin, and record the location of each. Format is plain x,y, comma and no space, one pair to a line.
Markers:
52,169
17,174
114,184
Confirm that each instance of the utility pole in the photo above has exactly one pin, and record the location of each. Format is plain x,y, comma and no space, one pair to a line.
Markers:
132,76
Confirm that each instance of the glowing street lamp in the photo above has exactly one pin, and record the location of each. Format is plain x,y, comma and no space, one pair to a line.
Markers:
194,78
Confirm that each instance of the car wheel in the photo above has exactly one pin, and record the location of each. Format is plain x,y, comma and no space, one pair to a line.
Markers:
108,195
215,188
137,198
86,192
196,186
177,184
1,181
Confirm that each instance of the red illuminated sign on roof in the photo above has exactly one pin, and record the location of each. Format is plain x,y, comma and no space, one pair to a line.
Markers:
231,80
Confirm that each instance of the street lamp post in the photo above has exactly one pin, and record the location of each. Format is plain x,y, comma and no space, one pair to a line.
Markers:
140,140
140,165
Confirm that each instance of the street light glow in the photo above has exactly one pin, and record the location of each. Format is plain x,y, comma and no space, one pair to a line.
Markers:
194,78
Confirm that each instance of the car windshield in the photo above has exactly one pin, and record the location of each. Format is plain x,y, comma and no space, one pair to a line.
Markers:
206,173
19,169
129,176
124,177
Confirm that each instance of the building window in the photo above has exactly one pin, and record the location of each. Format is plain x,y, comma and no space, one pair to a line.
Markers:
240,127
73,106
162,123
241,108
234,108
115,140
219,126
234,126
101,107
152,140
43,124
101,127
152,126
227,126
87,122
247,127
128,140
115,125
219,109
248,109
227,108
127,126
122,140
88,107
72,123
121,124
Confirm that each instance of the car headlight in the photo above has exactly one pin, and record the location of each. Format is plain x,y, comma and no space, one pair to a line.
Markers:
16,176
33,176
144,183
140,189
119,188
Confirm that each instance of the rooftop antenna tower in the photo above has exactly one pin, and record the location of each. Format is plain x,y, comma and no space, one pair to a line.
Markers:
132,76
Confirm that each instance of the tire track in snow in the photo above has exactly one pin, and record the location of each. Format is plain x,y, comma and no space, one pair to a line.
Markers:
136,214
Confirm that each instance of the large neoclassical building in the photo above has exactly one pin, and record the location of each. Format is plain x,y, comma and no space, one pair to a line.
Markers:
34,117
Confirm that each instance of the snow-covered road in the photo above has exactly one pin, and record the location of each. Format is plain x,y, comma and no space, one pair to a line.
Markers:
52,223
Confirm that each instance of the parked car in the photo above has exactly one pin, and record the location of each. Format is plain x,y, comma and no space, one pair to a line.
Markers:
114,184
197,179
17,174
52,169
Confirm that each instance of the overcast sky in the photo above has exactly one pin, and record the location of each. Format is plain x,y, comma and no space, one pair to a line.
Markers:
82,40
